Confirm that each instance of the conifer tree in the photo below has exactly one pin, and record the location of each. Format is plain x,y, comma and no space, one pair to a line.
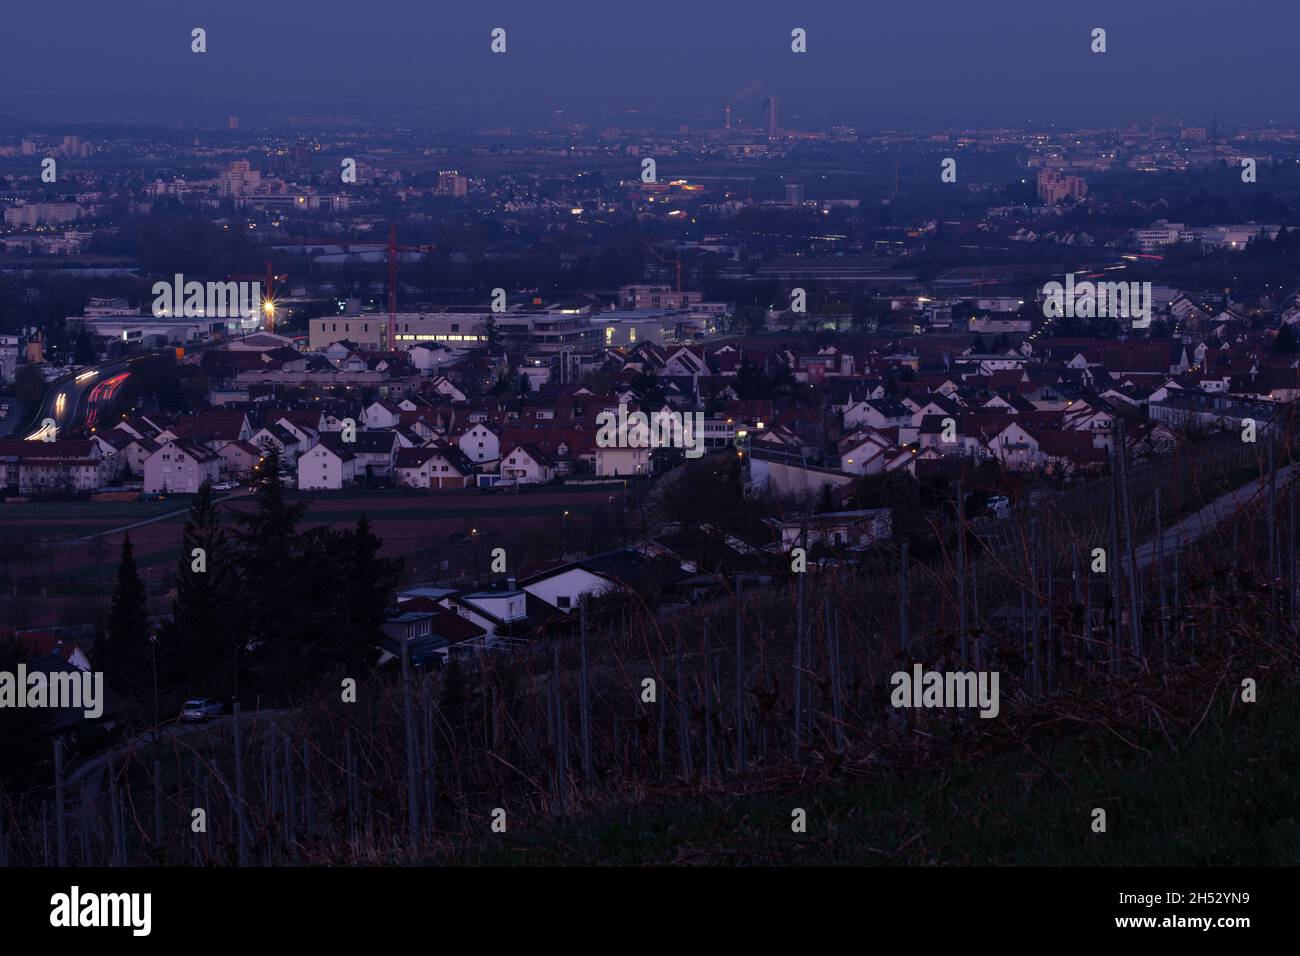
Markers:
128,655
205,629
271,605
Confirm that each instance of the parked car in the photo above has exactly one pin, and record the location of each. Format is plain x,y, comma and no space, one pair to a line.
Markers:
225,486
151,496
999,506
200,709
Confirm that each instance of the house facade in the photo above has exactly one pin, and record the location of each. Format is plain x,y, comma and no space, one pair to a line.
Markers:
181,467
527,465
433,466
328,466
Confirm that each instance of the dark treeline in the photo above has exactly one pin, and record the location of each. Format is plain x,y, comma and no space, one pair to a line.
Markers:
262,609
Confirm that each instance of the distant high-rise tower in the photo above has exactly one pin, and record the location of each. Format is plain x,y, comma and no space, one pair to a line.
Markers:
239,179
769,114
727,113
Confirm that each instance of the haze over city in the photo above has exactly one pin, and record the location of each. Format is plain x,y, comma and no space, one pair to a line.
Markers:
947,61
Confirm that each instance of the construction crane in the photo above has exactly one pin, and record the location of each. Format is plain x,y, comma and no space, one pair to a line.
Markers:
268,291
676,261
385,332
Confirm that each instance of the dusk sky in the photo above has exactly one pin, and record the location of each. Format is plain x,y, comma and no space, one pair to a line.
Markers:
941,60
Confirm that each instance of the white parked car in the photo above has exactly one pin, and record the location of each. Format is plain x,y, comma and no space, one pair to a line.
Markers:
225,486
200,709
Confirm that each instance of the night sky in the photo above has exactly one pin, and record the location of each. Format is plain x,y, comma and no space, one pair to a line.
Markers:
944,60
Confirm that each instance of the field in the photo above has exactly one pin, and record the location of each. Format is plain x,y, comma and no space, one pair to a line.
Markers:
70,549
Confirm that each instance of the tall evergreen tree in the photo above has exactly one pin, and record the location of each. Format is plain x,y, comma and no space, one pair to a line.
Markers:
348,588
367,590
271,572
128,655
206,594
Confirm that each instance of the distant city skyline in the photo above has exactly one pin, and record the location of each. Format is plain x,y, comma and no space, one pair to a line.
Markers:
947,62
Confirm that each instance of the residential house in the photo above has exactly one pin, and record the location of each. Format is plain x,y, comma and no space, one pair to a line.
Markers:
615,462
331,465
442,385
878,413
838,529
429,634
563,585
439,465
481,443
527,465
381,415
238,459
1016,447
374,451
42,471
181,467
864,453
136,451
278,438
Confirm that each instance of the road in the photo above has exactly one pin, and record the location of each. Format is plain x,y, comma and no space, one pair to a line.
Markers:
85,781
101,396
78,772
66,401
74,400
69,542
1202,522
